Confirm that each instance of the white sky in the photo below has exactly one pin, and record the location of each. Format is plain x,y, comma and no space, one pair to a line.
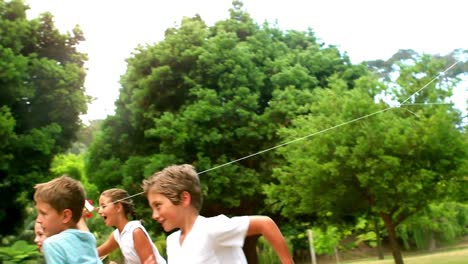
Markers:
365,29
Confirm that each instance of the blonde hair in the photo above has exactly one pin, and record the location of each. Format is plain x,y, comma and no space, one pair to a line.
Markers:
174,180
121,196
62,193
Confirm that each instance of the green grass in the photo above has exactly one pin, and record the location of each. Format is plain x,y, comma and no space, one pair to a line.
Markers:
453,256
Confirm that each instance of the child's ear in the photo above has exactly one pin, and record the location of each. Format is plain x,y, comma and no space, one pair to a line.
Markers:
119,207
185,198
67,216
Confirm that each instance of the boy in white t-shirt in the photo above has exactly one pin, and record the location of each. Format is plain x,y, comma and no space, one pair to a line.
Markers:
175,197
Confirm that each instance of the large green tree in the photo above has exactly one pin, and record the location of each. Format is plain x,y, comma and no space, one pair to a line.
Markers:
388,161
208,96
41,98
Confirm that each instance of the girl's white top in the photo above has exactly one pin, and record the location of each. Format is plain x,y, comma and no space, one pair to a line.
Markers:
127,246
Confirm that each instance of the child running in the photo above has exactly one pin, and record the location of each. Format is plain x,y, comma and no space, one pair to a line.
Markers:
59,205
175,197
132,238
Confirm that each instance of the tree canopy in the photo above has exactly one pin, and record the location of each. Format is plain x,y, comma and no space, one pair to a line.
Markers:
275,122
209,95
392,163
212,95
41,98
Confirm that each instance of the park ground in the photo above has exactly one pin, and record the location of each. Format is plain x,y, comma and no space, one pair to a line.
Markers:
454,254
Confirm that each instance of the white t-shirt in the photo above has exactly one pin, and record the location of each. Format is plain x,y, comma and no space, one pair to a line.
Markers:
126,244
212,240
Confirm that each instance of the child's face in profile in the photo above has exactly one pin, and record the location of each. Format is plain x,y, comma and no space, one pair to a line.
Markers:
50,220
164,211
109,210
40,236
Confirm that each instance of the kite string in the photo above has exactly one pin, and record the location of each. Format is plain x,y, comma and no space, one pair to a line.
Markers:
272,148
342,124
433,79
297,139
319,132
265,150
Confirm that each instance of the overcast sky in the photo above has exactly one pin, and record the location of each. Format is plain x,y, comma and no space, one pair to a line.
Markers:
365,29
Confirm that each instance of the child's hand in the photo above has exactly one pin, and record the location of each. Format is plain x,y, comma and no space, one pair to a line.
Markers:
81,225
90,208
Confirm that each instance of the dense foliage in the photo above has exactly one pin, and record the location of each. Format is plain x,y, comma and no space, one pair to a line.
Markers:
41,98
392,164
437,225
275,121
210,95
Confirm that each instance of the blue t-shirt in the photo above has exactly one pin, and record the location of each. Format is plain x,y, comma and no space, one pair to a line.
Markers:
71,246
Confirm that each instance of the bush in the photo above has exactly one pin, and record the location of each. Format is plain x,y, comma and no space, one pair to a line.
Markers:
19,252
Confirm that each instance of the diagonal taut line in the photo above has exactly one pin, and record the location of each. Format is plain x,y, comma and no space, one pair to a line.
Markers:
325,130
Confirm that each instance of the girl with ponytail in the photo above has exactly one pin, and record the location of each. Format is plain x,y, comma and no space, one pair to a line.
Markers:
132,238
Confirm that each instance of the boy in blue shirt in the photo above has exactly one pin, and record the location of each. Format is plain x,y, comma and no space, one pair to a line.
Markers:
59,205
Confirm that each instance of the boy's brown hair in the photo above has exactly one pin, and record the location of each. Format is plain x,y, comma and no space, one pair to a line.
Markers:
62,193
174,180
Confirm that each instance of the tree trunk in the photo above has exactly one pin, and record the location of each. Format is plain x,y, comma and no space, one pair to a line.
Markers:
379,240
390,226
432,242
250,249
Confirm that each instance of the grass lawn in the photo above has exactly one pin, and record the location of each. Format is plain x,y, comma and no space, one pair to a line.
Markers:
452,256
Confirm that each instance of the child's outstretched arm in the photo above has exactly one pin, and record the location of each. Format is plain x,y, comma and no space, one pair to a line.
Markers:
264,225
108,246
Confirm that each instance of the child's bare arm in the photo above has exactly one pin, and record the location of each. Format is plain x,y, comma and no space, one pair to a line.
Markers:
81,225
264,225
108,246
142,245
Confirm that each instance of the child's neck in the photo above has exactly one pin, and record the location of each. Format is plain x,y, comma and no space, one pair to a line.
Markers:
187,226
71,226
121,224
67,226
